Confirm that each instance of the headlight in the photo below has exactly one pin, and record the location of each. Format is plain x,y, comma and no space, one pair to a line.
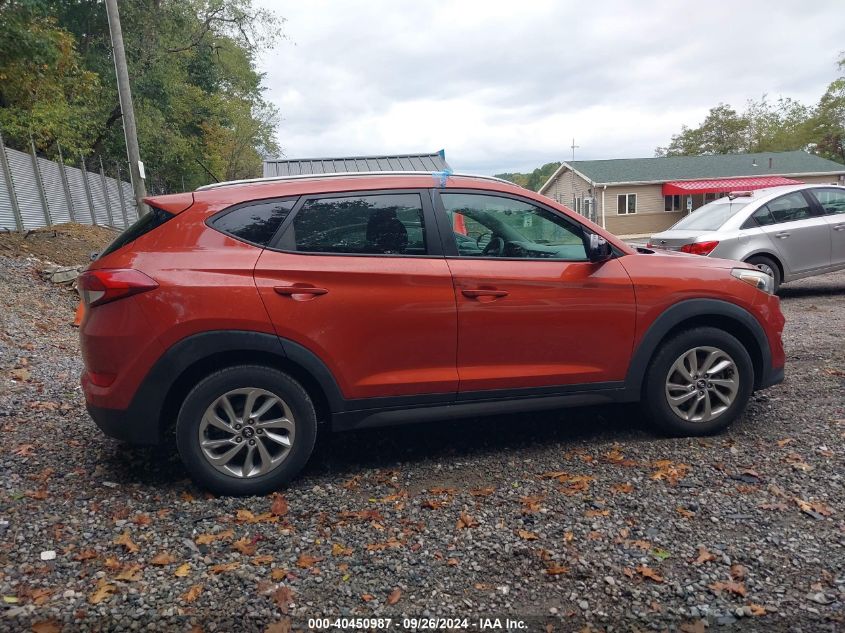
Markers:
757,278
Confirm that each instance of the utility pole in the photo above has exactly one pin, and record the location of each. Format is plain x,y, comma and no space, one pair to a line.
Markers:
130,131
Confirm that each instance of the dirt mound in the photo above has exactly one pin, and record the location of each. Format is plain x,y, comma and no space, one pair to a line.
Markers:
66,244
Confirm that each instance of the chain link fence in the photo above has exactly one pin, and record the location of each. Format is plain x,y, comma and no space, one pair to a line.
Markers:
36,192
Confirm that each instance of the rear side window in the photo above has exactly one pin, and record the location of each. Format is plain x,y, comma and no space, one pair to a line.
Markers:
387,224
790,208
146,223
256,222
832,200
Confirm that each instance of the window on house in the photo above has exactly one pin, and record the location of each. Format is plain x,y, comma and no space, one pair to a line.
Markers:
671,203
626,203
577,205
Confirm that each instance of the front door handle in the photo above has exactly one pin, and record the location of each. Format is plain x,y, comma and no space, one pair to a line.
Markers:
292,291
782,235
475,293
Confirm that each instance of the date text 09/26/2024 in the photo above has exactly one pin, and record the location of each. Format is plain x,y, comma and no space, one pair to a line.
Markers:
418,624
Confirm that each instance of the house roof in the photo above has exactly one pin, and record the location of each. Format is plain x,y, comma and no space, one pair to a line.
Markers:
350,164
629,170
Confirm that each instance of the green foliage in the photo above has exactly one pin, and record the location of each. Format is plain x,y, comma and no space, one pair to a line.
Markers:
769,127
535,179
198,97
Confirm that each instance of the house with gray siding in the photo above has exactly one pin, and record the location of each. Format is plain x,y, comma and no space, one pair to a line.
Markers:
641,196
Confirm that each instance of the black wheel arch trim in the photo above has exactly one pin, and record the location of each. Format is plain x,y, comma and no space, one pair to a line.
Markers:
699,310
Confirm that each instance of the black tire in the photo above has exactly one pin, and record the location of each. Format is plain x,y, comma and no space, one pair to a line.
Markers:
216,385
767,264
655,402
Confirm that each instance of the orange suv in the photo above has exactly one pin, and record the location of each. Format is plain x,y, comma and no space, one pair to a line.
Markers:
244,314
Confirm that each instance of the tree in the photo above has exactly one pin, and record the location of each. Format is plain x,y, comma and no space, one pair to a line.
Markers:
533,180
722,132
827,124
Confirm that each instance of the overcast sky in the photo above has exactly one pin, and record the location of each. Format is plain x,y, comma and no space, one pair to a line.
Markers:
504,86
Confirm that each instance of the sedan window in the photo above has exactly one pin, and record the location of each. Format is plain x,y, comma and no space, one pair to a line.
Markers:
790,208
712,215
831,200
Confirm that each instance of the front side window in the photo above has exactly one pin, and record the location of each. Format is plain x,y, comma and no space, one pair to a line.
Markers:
256,222
831,200
626,203
492,226
388,224
790,208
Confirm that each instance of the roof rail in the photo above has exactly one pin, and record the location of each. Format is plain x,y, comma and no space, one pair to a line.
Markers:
349,174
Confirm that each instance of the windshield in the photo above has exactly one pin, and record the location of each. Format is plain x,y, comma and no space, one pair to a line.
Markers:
712,215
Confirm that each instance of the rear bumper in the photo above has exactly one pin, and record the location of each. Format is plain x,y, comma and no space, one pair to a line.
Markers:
771,376
126,425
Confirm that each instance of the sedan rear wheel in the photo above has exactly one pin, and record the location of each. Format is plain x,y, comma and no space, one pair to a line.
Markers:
768,266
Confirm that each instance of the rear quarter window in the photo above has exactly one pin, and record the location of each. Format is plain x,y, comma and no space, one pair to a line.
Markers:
143,225
255,222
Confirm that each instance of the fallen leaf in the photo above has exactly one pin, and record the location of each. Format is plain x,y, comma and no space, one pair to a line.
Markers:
307,562
738,572
130,573
526,535
757,609
282,626
465,521
704,556
442,491
102,593
367,597
279,506
340,550
482,492
452,562
264,559
40,596
245,516
687,514
24,450
647,572
394,596
597,513
813,508
556,570
283,596
163,558
624,488
660,554
86,554
125,540
434,504
22,374
38,495
245,546
785,441
206,539
733,587
46,626
192,594
221,568
141,519
669,471
183,570
280,574
112,563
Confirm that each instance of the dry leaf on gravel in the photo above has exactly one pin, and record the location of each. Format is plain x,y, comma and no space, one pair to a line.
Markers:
556,570
283,596
263,559
738,572
130,573
623,488
647,572
687,514
46,626
704,556
282,626
813,508
526,535
24,450
21,374
465,521
125,540
597,513
183,570
245,546
221,568
163,558
279,505
192,594
340,550
394,596
733,587
367,597
102,593
86,554
307,562
206,539
482,492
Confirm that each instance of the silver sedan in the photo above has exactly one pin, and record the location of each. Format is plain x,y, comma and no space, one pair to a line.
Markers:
789,232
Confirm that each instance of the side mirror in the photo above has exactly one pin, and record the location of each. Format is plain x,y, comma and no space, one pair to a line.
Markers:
598,249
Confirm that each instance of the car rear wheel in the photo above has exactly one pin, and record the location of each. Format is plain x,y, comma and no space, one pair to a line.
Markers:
246,430
698,382
768,266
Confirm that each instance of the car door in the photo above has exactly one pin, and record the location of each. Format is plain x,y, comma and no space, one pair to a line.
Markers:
360,280
832,201
533,312
799,234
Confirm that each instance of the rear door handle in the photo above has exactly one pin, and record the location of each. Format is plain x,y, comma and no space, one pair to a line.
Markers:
289,291
782,235
839,227
474,293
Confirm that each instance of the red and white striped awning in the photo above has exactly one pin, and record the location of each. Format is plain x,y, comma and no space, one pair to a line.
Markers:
718,185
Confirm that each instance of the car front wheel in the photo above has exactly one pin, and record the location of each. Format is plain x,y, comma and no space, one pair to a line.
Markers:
246,430
698,382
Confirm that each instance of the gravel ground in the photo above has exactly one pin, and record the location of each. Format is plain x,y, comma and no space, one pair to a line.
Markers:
578,520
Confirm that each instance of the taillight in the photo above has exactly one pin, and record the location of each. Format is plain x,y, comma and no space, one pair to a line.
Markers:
101,286
699,248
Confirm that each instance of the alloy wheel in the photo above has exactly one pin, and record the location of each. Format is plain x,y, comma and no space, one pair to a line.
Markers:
247,432
702,384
